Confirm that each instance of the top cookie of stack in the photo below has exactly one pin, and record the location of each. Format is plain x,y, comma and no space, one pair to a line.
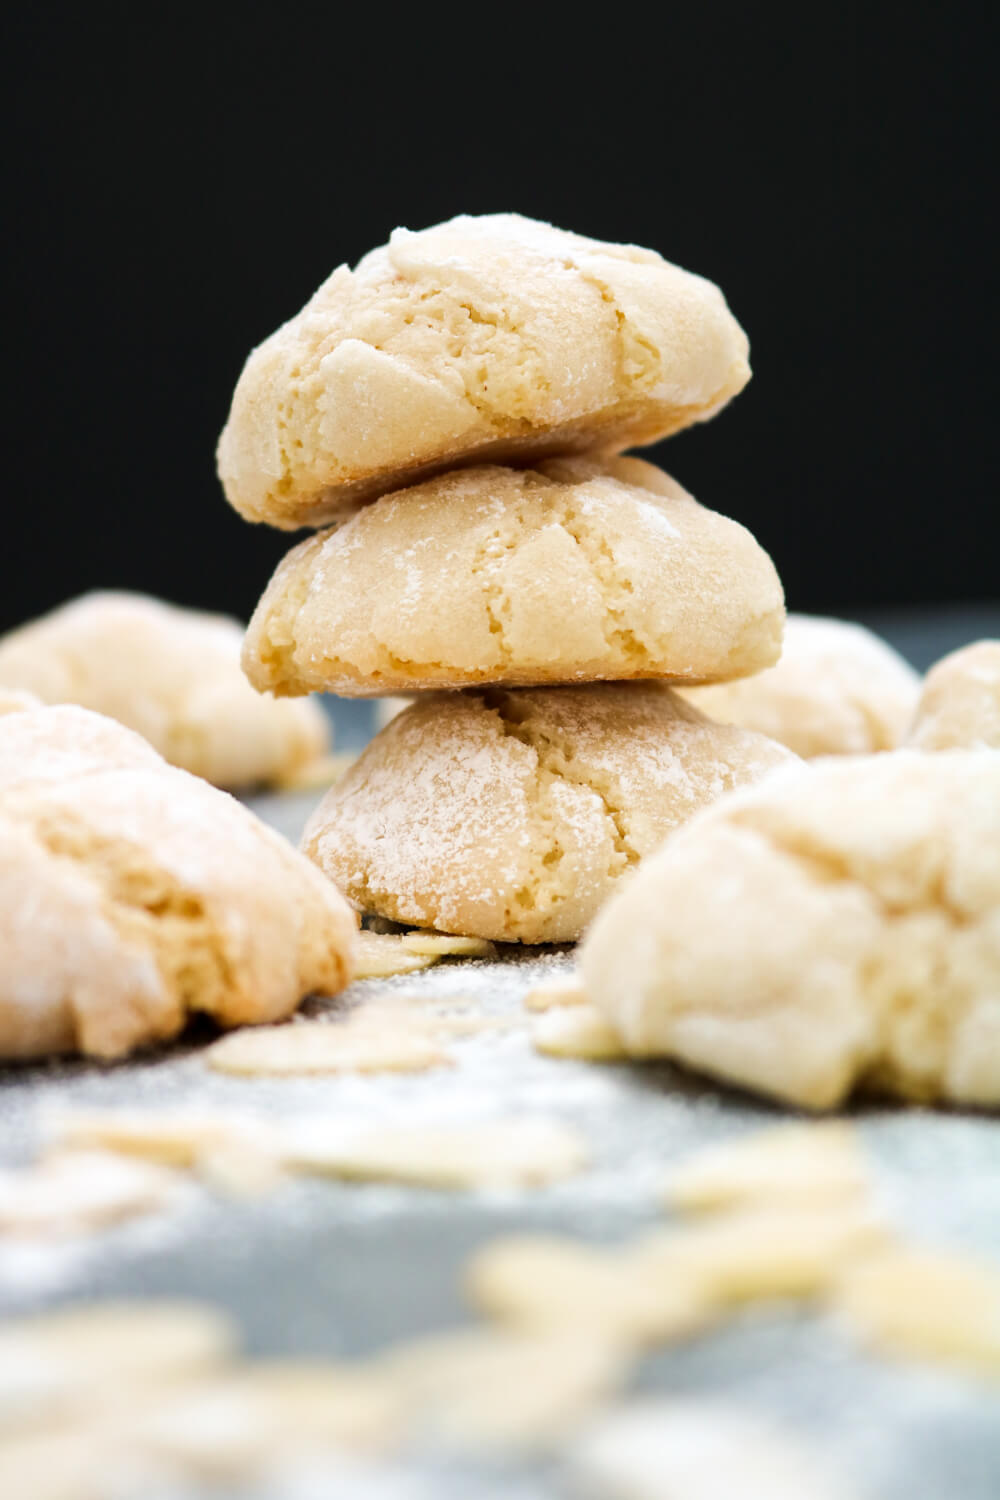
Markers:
491,339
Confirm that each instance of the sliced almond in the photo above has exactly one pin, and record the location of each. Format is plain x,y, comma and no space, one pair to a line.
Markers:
581,1032
550,994
381,955
926,1304
54,1363
693,1450
539,1282
819,1163
323,1047
495,1153
171,1137
750,1255
79,1191
490,1389
445,945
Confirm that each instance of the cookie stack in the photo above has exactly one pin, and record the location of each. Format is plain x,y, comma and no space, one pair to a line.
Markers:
454,408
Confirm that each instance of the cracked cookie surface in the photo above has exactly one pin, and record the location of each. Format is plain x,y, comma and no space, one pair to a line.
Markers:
512,815
492,338
836,926
171,674
577,570
133,894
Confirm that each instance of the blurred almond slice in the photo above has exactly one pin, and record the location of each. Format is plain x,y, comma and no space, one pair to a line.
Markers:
74,1192
796,1164
324,1047
58,1361
550,994
426,1013
488,1389
444,945
750,1255
689,1450
580,1032
494,1153
80,1461
543,1282
225,1428
926,1304
381,955
170,1137
241,1169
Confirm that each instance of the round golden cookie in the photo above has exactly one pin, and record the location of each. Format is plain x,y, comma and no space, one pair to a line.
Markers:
488,339
836,690
513,815
837,925
578,570
959,707
171,674
133,895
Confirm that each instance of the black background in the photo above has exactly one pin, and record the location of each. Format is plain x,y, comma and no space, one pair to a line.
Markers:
181,180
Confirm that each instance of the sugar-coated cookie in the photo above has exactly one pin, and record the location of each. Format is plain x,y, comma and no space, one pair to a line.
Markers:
171,674
837,925
495,338
838,689
65,742
133,895
959,707
512,815
577,570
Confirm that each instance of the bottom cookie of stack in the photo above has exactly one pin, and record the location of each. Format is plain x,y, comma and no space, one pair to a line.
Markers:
513,815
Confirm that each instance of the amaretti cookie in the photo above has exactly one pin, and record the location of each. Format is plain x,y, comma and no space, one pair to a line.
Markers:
576,570
512,815
488,339
133,895
838,689
838,925
960,703
66,743
171,674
